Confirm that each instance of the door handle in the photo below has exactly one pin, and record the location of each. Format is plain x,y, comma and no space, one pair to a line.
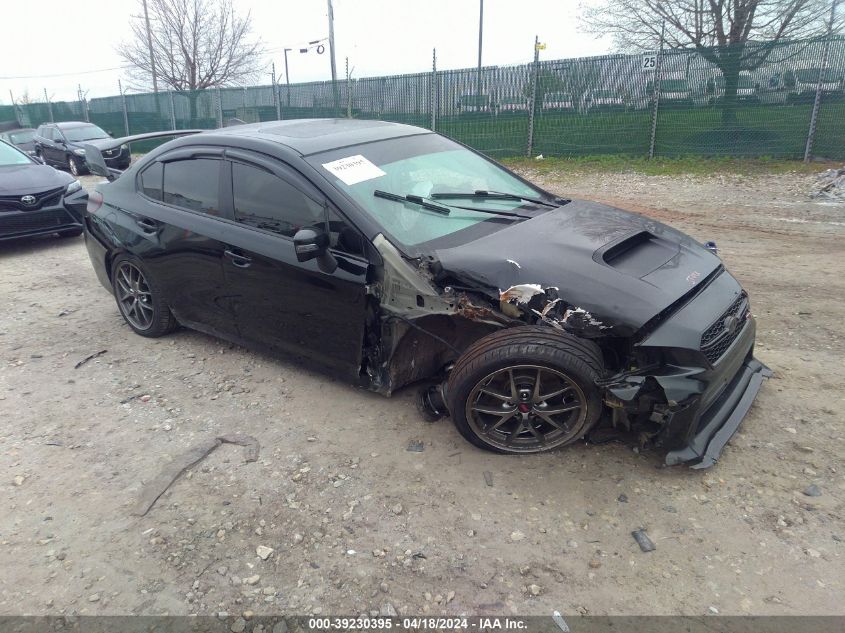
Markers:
148,226
238,260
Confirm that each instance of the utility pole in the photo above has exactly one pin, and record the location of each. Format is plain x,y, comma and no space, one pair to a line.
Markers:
49,105
332,55
433,89
287,75
535,74
150,47
480,40
276,95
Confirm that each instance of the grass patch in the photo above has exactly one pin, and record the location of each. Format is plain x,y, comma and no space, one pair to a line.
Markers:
684,165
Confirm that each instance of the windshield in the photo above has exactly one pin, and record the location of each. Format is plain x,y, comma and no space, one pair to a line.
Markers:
421,166
24,136
84,133
811,76
11,156
674,85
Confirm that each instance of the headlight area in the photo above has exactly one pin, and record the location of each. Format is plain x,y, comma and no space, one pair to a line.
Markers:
75,199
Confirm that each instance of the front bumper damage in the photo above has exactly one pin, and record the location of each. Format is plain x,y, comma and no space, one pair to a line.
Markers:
692,406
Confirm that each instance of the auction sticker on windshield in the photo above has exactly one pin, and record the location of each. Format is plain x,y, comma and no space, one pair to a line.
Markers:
354,169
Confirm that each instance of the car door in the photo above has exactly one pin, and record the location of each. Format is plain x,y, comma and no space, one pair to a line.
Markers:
279,302
48,147
179,227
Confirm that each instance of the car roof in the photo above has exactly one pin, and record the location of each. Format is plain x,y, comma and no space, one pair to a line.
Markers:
311,136
64,125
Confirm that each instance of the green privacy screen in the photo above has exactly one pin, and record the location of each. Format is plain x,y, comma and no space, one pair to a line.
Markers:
757,100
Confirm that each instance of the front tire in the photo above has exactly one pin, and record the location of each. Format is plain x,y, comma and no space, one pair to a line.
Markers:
75,166
527,389
139,298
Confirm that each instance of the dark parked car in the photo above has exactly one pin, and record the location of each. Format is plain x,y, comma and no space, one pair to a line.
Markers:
22,138
391,255
36,199
63,145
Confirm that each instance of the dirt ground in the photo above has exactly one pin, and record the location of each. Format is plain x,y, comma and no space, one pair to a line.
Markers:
359,524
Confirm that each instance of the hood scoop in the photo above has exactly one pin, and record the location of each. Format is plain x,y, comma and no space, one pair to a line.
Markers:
637,254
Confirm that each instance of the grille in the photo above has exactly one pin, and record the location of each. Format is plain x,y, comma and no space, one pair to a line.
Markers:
42,220
716,339
43,199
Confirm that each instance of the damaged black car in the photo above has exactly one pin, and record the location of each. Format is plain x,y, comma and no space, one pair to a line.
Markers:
391,255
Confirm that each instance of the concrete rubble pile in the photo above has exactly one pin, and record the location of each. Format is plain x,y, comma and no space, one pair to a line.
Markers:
830,185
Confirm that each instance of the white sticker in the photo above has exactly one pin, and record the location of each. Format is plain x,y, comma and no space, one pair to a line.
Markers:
354,169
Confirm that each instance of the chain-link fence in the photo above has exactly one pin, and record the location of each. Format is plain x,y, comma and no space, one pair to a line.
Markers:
784,100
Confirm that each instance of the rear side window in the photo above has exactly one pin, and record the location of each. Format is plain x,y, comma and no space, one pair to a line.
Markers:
151,181
193,184
47,133
265,201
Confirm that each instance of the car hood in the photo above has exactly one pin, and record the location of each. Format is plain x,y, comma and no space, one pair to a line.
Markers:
621,267
32,178
99,143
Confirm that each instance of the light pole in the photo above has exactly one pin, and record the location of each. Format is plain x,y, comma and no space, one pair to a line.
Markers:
332,56
287,75
480,40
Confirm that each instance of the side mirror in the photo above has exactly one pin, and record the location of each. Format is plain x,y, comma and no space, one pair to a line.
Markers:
310,244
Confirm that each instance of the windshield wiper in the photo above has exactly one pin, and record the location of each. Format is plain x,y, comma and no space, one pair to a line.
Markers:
490,195
425,204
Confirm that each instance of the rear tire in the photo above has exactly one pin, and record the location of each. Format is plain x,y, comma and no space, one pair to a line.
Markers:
526,389
139,298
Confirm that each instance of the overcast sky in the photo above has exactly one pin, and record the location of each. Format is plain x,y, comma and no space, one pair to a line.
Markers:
380,37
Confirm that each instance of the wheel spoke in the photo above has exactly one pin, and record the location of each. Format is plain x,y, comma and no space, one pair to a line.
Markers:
514,393
493,410
492,392
499,422
558,425
559,410
553,394
536,393
540,436
516,432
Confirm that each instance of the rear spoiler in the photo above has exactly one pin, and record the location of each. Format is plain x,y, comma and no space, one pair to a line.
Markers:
94,157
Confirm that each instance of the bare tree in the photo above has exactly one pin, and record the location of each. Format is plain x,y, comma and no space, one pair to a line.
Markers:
733,35
193,45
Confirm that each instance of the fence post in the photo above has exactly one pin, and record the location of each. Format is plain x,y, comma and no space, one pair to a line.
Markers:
433,91
657,77
531,106
83,103
811,133
123,103
275,95
219,112
348,92
172,111
49,105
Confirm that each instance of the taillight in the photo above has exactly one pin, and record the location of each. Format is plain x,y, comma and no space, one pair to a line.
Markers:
95,201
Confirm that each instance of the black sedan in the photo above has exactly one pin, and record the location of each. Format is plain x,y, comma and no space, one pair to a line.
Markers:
63,145
36,199
22,138
390,255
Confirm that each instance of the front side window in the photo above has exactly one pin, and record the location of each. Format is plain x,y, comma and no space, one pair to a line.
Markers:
265,201
193,184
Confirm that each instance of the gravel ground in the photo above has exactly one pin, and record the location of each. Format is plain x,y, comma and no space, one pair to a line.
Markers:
356,522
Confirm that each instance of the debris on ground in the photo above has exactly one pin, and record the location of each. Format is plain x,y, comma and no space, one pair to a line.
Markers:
642,539
812,491
157,487
830,185
488,478
415,446
90,357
